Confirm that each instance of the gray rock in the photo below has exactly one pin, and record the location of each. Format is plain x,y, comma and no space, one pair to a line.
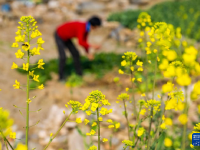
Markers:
139,1
75,138
53,4
89,7
120,147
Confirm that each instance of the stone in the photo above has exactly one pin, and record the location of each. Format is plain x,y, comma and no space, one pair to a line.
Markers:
120,147
40,10
53,4
112,6
131,7
16,5
89,7
70,125
53,17
141,2
75,137
111,24
34,145
42,134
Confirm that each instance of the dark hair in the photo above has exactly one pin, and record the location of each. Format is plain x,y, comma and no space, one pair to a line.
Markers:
95,21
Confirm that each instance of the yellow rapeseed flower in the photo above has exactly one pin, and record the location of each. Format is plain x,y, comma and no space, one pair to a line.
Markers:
123,96
183,119
41,87
14,66
100,119
40,64
31,73
123,63
35,51
140,131
139,63
12,135
162,126
190,136
19,54
26,46
120,71
117,125
25,66
15,45
143,111
93,148
109,121
21,147
88,113
133,79
16,85
128,142
111,126
92,132
168,142
139,79
86,121
167,87
29,101
168,121
78,120
104,140
140,69
35,78
94,124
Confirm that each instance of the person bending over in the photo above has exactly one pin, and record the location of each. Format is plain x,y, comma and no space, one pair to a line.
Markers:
63,37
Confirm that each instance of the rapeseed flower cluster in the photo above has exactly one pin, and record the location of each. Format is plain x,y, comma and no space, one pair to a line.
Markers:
95,101
195,92
94,104
127,143
28,31
76,106
144,20
152,103
197,128
6,122
175,100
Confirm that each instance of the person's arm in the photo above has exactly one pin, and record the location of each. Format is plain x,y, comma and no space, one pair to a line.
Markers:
82,40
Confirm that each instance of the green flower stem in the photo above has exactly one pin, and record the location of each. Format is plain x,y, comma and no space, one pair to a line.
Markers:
98,124
185,125
146,70
126,116
6,144
110,142
151,114
57,132
5,139
149,131
27,97
134,103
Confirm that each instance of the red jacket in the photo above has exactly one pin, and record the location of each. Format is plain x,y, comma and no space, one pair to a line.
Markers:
74,30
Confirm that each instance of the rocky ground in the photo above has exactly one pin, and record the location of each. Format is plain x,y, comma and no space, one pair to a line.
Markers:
55,95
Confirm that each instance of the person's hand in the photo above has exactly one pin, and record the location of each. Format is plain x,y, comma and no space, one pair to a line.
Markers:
90,56
96,47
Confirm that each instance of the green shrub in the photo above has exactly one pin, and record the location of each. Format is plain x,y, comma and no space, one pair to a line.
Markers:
184,14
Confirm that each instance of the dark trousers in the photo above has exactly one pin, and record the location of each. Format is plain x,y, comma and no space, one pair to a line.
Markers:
61,45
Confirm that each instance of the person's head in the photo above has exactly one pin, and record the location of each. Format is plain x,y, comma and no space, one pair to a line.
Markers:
95,22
